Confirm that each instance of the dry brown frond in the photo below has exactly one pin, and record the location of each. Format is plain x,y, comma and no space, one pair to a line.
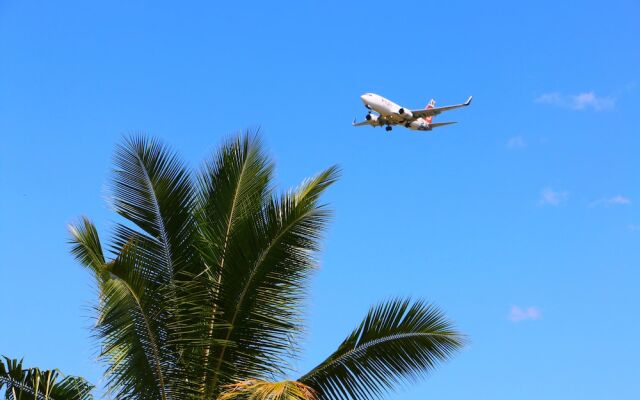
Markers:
255,389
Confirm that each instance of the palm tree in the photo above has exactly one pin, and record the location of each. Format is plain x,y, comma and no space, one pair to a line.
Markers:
25,384
201,287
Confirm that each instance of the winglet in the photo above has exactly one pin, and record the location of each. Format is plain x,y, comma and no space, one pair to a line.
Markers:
354,122
466,103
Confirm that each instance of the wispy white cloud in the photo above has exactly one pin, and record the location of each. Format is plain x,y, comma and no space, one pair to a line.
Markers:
517,314
580,101
618,200
550,197
516,142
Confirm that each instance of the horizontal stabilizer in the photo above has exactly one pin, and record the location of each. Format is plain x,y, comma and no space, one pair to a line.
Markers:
439,124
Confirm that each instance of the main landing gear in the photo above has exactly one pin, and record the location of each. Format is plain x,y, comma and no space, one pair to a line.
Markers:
388,128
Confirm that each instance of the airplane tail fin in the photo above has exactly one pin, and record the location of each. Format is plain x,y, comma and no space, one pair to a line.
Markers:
432,103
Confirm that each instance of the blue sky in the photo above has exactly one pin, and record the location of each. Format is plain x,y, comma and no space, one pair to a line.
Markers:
522,221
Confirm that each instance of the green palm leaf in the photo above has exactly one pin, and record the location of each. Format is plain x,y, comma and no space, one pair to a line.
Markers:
131,317
33,384
264,291
232,188
132,326
152,189
397,342
87,248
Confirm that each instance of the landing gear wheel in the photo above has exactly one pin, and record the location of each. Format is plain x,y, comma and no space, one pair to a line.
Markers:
368,117
407,125
388,128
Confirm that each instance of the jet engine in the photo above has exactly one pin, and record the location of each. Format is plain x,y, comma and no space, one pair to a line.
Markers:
405,113
418,125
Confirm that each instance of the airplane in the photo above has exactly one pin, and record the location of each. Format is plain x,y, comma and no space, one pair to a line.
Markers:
390,114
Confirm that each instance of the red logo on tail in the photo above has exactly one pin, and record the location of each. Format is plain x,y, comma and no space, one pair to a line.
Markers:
432,103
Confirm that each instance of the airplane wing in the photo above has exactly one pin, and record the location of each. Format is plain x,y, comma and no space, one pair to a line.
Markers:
430,112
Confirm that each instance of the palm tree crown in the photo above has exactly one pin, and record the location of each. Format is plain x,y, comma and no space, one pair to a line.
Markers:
201,287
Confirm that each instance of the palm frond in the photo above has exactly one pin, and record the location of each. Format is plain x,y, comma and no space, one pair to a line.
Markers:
263,288
255,389
36,384
132,318
397,342
132,325
86,246
233,186
152,188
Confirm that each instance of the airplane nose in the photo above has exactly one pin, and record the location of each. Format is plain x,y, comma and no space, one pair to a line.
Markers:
363,98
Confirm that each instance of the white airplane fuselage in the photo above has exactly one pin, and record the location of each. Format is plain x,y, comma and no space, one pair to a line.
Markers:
384,107
379,104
